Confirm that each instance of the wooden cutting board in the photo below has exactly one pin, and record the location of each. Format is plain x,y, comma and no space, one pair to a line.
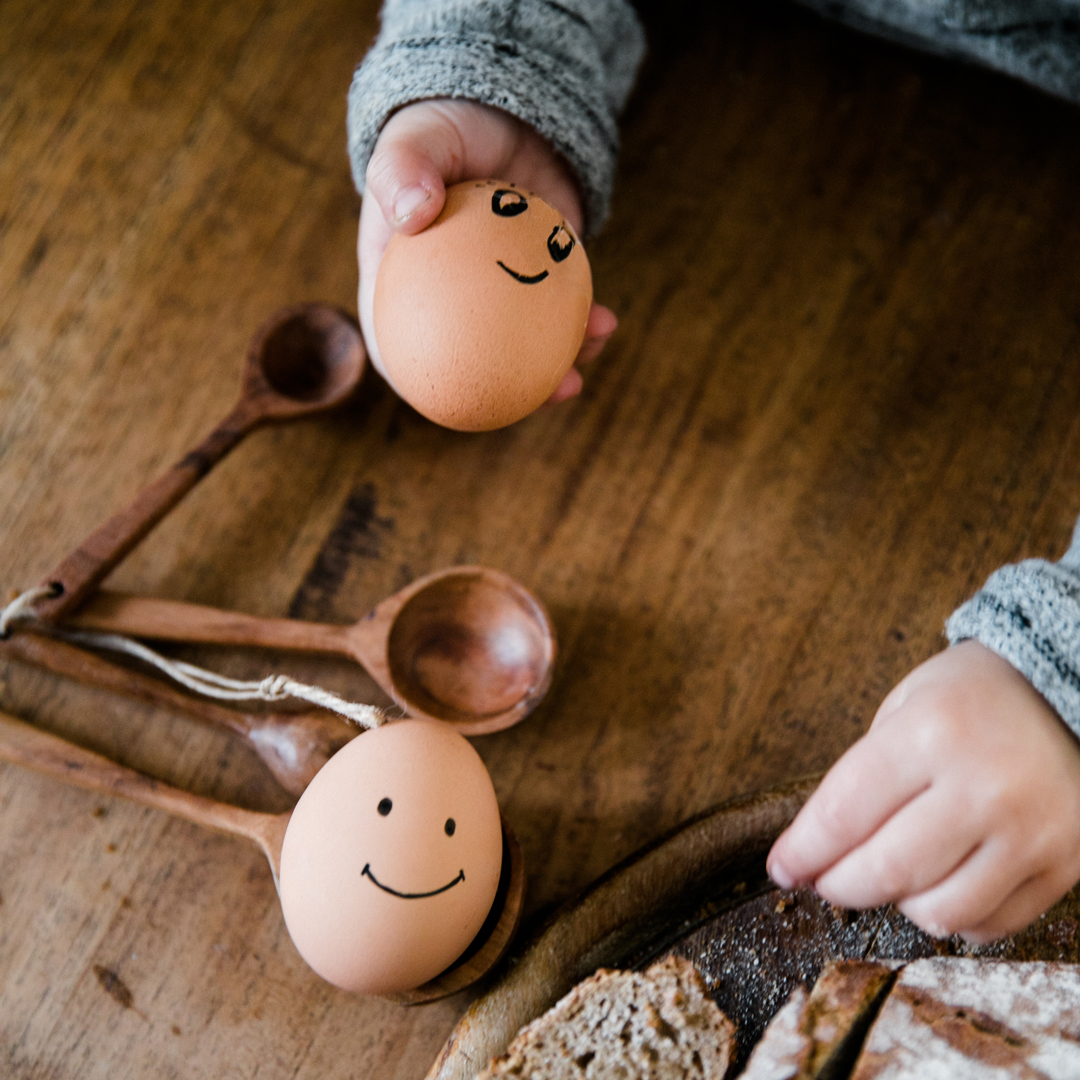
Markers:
702,892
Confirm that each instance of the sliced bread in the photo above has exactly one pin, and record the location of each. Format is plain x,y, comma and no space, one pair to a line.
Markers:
625,1025
816,1036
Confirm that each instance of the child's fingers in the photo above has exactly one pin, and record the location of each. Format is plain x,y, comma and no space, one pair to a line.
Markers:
1021,907
915,849
569,387
417,152
870,783
602,322
405,183
601,325
972,893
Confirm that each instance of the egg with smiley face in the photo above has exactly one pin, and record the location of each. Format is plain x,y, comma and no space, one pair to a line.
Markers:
478,317
392,857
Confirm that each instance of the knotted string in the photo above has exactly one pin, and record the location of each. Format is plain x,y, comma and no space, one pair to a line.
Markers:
201,681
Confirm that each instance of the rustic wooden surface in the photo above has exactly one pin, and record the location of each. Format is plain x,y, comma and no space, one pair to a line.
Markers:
845,388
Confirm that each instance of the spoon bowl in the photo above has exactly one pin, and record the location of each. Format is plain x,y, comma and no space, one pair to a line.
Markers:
470,645
304,358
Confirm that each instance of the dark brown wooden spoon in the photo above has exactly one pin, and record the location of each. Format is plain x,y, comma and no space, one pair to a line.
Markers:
304,360
293,746
468,645
32,748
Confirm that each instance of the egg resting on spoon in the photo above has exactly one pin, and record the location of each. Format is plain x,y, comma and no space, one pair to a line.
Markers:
479,316
392,857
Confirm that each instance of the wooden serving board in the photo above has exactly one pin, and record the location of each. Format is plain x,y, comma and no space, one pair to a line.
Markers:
702,892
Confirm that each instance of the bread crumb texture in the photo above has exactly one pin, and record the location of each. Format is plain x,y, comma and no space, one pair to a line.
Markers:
623,1025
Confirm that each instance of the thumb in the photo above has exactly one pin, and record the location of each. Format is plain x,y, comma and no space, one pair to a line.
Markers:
416,152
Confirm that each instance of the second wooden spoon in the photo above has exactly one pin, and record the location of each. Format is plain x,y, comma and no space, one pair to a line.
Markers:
293,746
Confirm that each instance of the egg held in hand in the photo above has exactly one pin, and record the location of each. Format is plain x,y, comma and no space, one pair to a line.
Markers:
478,317
392,857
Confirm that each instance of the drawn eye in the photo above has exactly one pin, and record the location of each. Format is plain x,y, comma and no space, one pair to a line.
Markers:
507,203
450,826
560,243
385,806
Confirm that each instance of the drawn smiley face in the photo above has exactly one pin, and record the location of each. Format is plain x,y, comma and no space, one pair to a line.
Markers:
509,202
479,316
392,858
386,805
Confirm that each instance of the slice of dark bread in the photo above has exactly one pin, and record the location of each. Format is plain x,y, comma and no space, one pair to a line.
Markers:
816,1036
625,1025
969,1019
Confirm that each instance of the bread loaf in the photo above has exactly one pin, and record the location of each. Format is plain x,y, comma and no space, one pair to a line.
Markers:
967,1019
625,1025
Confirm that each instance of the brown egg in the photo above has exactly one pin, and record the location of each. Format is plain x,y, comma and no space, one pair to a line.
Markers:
392,857
479,316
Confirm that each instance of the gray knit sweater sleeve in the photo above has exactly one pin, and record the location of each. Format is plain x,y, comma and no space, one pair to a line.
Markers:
565,67
1030,615
1034,40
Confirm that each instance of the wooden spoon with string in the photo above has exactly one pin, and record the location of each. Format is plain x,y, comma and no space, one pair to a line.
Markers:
28,746
293,746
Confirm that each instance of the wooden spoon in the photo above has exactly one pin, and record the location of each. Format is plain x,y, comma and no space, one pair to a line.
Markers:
304,360
34,749
468,645
293,746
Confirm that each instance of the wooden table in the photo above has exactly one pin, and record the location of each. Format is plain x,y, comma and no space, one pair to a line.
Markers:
845,388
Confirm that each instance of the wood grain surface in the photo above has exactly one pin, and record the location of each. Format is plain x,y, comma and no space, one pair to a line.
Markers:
844,389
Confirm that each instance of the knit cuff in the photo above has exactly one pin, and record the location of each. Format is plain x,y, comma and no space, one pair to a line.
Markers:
555,78
1029,614
1032,40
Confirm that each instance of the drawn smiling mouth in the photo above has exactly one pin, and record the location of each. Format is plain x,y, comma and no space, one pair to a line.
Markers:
523,278
366,872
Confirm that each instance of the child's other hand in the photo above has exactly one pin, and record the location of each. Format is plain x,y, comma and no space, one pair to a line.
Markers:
425,147
961,804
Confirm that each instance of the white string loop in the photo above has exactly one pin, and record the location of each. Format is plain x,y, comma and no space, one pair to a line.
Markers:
22,607
197,679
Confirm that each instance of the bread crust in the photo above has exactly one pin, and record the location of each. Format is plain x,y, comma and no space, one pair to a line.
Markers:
963,1018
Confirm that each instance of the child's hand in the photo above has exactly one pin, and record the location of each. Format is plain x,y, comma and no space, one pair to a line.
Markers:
431,144
961,804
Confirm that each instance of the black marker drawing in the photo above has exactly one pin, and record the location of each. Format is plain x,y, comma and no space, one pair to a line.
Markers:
559,247
522,277
366,872
507,203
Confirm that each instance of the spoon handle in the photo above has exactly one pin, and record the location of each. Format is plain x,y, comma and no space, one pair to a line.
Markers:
86,667
87,566
32,748
176,620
